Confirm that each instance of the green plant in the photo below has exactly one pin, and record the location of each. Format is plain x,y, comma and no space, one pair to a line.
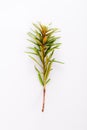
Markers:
44,44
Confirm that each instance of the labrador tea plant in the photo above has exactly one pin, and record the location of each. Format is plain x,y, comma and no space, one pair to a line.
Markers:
44,43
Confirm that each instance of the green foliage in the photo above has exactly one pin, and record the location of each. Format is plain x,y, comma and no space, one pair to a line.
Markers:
39,76
44,43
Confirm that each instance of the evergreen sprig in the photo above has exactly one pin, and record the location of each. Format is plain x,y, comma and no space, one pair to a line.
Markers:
44,44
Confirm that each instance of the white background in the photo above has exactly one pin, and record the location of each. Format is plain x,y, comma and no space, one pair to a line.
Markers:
20,91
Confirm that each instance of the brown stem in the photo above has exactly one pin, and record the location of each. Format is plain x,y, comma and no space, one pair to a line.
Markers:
43,104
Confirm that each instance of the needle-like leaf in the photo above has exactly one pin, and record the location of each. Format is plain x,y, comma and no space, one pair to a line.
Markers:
35,60
48,81
39,75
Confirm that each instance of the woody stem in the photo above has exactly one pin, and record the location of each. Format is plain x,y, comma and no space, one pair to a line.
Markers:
43,104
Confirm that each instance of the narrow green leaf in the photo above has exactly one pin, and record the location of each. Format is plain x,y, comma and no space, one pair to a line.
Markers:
52,30
37,34
51,40
53,48
59,62
48,59
34,49
35,60
37,27
46,52
53,60
39,76
56,44
30,53
51,54
36,40
37,51
48,81
31,35
48,70
33,42
36,69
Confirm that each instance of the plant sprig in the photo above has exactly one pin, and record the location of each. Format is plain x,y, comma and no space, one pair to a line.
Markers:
44,44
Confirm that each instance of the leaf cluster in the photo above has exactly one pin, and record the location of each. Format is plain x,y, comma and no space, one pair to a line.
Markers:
44,44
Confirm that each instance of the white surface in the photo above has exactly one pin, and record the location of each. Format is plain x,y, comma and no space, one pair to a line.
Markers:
20,91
